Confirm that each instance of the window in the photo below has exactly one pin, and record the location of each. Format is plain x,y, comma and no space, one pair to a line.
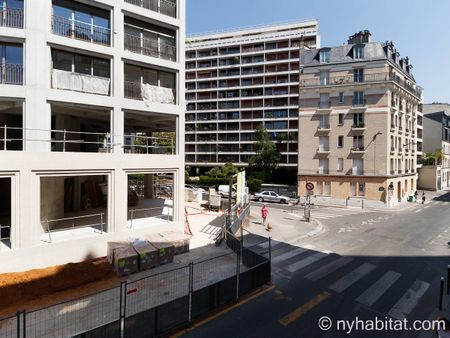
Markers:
324,56
358,98
323,166
357,189
358,120
361,189
324,78
340,141
323,188
324,122
358,75
81,64
358,52
340,164
358,142
357,166
341,97
341,119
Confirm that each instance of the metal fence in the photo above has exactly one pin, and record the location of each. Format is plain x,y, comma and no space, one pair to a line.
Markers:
165,7
162,212
79,30
11,74
11,17
151,47
149,306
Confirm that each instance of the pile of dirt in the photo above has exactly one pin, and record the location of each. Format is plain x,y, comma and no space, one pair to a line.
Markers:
42,287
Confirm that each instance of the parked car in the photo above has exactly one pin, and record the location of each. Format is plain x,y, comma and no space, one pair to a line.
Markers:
224,191
271,196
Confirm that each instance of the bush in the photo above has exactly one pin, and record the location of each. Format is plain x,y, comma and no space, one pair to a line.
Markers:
254,185
206,181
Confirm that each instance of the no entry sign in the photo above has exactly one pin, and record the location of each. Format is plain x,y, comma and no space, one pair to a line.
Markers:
309,186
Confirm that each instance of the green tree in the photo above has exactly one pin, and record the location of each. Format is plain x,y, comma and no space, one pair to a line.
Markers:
434,158
267,156
222,172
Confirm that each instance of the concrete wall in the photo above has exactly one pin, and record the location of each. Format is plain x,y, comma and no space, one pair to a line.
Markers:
52,198
428,177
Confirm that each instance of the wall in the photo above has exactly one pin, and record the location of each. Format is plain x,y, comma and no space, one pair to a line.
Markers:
428,177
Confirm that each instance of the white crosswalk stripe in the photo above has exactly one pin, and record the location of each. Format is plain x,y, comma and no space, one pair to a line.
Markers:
409,300
288,255
273,244
328,269
373,293
351,278
305,262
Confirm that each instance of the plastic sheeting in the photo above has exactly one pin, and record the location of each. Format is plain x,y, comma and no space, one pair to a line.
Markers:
62,79
153,94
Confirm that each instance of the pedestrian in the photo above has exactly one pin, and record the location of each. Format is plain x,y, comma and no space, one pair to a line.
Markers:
264,214
416,196
423,197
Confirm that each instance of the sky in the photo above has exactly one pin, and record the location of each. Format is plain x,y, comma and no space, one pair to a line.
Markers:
419,29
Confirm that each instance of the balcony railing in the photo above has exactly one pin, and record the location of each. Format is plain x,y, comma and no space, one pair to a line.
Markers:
150,47
350,79
79,30
358,102
75,141
165,7
359,125
357,171
323,126
11,74
358,148
323,149
80,82
324,104
11,17
135,90
323,171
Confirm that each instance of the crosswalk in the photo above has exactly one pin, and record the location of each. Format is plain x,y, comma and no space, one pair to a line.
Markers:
330,213
349,272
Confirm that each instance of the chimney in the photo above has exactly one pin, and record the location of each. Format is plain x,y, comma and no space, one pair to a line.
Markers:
361,37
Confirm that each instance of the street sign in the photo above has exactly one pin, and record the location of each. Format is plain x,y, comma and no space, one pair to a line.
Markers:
309,186
381,189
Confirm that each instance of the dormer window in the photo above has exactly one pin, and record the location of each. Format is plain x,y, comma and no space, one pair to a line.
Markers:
324,56
358,52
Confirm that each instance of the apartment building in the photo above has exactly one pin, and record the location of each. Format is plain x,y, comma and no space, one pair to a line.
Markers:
91,126
436,128
359,123
238,80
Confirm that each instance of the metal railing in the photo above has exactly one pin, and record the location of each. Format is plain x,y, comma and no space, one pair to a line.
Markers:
133,90
11,17
147,213
79,30
351,79
150,145
66,140
357,148
11,74
73,226
165,7
150,47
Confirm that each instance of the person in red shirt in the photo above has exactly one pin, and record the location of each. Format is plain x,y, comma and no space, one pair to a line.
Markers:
264,214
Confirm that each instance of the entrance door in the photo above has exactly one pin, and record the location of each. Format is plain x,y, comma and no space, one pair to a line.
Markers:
399,191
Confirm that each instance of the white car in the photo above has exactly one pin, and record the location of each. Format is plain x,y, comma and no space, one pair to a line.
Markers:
271,196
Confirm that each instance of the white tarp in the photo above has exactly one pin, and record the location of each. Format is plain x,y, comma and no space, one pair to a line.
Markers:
153,94
62,79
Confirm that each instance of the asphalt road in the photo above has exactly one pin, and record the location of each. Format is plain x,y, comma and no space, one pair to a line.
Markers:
350,265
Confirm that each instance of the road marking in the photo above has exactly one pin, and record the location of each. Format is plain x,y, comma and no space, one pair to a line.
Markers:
351,278
305,262
409,300
418,210
372,294
426,207
300,311
327,269
288,255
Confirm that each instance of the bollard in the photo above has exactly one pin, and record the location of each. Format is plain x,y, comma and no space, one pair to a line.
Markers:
441,293
362,204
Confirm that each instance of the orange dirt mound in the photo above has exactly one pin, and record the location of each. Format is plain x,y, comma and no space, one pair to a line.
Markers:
42,287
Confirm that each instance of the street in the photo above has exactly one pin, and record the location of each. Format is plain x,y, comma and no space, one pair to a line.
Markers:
347,264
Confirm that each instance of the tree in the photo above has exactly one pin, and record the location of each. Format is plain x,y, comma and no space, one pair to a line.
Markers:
434,158
267,156
222,172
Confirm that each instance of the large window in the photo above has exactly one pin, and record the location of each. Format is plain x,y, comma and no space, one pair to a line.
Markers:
358,75
11,66
358,98
81,22
324,56
11,13
82,64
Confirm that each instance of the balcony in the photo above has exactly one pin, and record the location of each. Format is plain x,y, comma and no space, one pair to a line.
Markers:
149,93
323,171
358,149
324,127
155,47
324,105
165,7
80,82
358,103
79,30
323,150
11,74
357,171
11,17
358,126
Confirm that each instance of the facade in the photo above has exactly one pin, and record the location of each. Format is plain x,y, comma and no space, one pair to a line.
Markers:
91,126
436,127
358,123
238,80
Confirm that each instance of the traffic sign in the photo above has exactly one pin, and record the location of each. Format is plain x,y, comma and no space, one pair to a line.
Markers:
309,186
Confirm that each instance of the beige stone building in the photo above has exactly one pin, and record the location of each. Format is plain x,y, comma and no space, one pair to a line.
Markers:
359,123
